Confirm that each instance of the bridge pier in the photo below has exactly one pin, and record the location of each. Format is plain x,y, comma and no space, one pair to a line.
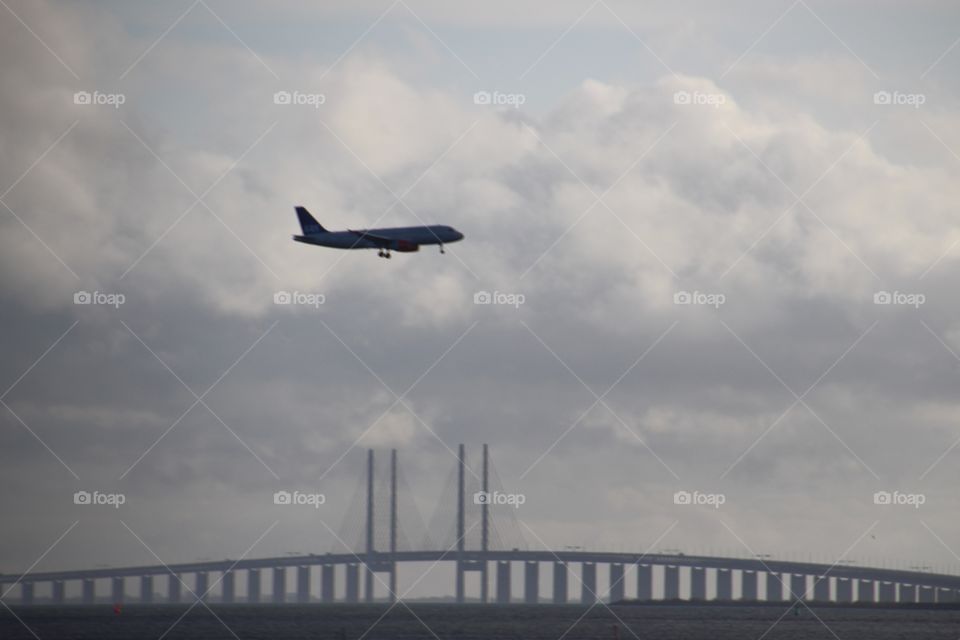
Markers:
821,588
503,582
698,583
353,583
146,589
201,586
88,594
279,584
173,587
724,585
559,583
908,592
886,591
925,594
303,584
588,579
644,582
327,575
671,582
59,593
615,594
116,589
749,585
228,589
798,586
26,593
531,582
866,591
844,590
253,585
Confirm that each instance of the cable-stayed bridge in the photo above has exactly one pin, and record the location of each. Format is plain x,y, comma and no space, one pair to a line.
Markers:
474,542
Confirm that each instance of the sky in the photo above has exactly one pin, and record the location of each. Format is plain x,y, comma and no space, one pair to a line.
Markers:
707,249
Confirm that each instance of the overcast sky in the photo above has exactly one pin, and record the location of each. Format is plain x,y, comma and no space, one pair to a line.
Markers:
785,164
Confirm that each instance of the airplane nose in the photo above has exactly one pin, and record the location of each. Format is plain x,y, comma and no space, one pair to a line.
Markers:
459,235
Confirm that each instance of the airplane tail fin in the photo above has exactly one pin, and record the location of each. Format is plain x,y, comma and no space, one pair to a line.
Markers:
308,223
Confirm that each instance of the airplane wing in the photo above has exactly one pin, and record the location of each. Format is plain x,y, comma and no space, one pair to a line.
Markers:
383,242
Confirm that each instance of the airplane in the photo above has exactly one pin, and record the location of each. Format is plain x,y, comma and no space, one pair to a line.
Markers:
402,239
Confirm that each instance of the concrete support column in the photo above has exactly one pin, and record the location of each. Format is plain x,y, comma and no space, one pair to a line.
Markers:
698,583
279,591
484,582
559,583
303,584
908,592
353,583
644,582
116,589
59,594
925,594
203,583
327,575
821,588
671,582
173,587
588,589
865,591
228,587
531,582
886,592
26,593
89,593
503,582
146,588
844,590
798,586
253,585
459,588
616,583
724,584
750,585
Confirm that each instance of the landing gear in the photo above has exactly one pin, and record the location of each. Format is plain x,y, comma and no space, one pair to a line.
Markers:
384,253
441,249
